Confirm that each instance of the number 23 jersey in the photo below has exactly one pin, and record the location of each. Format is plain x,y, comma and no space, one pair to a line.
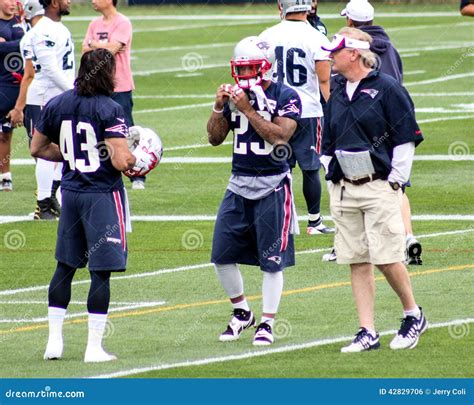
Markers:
50,47
80,125
253,156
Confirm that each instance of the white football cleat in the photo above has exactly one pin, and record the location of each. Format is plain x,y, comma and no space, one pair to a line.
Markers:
363,341
240,321
263,335
98,355
54,350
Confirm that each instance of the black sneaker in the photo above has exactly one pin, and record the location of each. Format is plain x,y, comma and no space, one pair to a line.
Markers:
6,185
55,206
240,321
362,342
263,335
413,252
410,331
44,210
317,227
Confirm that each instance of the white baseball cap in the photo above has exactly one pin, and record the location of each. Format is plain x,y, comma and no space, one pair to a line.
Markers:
341,41
359,10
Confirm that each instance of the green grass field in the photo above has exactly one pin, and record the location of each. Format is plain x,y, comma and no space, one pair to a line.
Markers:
168,308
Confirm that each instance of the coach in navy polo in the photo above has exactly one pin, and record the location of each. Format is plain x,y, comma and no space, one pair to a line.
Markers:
369,143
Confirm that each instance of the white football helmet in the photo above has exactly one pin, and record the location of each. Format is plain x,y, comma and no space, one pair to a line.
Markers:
293,6
32,9
256,54
149,141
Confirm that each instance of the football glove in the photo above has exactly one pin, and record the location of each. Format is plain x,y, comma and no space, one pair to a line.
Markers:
146,161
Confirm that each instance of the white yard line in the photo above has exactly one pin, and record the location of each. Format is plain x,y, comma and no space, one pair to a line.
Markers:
441,110
430,27
220,160
458,117
206,265
173,96
454,94
185,47
179,69
196,145
263,352
274,16
43,302
175,108
7,219
440,79
436,48
197,26
414,72
81,314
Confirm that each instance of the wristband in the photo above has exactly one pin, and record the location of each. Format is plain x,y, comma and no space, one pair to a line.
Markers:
217,111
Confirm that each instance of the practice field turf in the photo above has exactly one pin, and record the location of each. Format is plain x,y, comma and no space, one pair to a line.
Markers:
168,309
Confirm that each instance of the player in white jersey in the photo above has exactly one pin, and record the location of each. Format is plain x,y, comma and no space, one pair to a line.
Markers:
304,66
50,48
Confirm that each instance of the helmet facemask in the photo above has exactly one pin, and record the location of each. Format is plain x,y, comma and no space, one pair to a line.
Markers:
248,73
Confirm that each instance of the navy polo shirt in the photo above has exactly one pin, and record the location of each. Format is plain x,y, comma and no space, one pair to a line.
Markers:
379,117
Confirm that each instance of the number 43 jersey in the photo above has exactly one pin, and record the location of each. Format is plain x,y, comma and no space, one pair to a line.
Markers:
253,156
297,49
80,125
50,47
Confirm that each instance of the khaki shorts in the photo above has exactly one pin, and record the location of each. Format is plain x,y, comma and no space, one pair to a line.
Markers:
369,226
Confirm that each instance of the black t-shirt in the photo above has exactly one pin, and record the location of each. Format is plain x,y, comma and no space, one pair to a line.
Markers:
464,3
80,125
379,117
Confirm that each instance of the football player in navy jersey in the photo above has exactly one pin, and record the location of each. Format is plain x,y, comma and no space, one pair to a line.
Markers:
256,217
85,129
11,66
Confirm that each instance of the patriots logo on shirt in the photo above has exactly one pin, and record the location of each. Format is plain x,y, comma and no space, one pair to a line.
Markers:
289,108
371,92
48,43
119,128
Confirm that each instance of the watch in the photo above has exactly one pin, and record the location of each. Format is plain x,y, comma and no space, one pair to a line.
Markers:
395,186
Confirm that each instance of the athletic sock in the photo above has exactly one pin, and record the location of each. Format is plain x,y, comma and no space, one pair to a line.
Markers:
6,176
314,217
413,312
97,324
55,321
272,287
372,332
241,305
44,178
266,319
230,279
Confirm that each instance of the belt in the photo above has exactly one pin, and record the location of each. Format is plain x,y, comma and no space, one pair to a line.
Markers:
363,180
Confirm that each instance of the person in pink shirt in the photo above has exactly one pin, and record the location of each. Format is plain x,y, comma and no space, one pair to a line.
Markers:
113,31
